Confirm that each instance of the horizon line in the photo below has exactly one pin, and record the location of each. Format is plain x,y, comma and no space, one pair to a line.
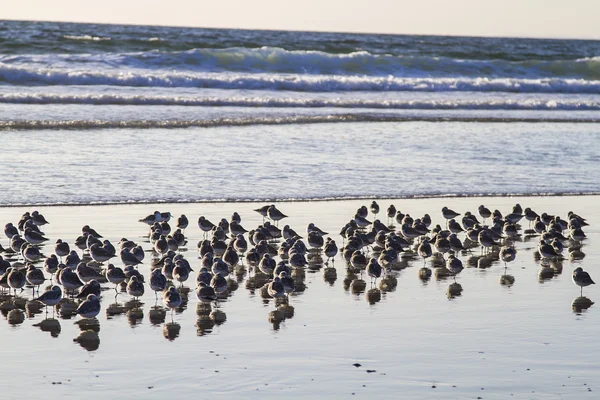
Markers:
304,30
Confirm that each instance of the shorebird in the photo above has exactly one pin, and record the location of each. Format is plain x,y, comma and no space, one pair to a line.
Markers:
128,258
263,210
38,218
51,297
274,214
34,237
100,254
114,275
204,276
152,218
275,288
219,283
34,276
361,221
582,278
90,307
205,225
315,240
158,282
282,267
358,260
267,264
69,279
330,249
231,256
507,254
373,270
546,250
236,229
90,231
135,287
16,280
205,293
454,265
182,222
220,267
449,214
287,281
375,208
484,212
313,228
30,253
181,273
240,244
236,217
86,273
391,212
10,230
51,264
454,226
92,287
61,249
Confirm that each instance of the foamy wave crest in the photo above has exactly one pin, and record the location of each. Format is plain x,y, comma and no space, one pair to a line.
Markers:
281,61
87,37
294,82
247,121
276,102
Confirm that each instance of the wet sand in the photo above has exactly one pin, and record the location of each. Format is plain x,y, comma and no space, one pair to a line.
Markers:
411,340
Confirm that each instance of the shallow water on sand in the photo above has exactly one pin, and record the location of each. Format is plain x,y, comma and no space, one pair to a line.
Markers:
493,341
319,161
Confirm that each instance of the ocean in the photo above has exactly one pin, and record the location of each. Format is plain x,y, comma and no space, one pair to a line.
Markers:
95,113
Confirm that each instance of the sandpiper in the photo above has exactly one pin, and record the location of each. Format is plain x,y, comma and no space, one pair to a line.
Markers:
454,265
152,218
205,225
92,287
10,230
38,218
33,237
449,214
90,307
374,208
51,297
205,293
114,275
158,282
373,269
135,287
274,214
582,278
276,289
182,222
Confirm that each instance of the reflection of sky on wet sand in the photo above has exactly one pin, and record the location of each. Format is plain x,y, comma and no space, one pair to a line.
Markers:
402,327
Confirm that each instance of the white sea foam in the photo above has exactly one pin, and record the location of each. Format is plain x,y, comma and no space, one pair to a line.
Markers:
296,82
293,102
87,37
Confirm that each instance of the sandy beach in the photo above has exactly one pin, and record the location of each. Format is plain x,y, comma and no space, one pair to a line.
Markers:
408,337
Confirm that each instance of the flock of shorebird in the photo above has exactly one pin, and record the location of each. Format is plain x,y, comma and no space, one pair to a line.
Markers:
80,268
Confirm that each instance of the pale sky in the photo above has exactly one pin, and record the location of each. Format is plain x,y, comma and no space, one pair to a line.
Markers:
526,18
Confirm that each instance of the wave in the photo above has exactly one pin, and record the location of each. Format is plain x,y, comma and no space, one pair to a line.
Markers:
304,83
248,121
378,196
276,102
87,38
311,62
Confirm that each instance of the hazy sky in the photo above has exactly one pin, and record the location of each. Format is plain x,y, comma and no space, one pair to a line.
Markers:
530,18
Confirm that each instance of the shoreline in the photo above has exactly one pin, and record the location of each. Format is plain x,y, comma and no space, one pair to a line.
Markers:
308,200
